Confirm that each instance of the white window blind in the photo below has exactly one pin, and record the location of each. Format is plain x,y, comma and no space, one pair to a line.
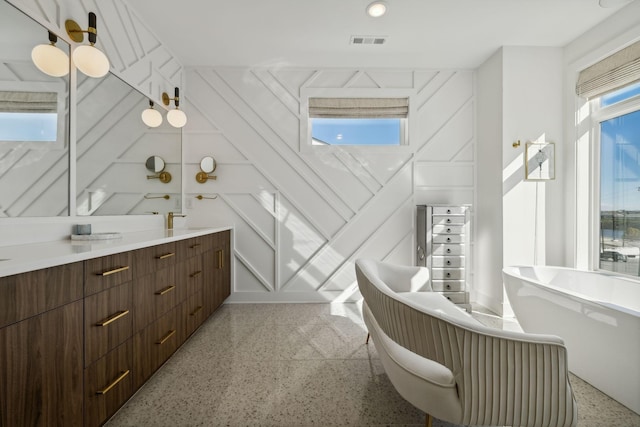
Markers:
358,107
28,102
613,72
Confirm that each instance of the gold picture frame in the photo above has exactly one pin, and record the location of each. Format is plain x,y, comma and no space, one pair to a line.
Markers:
540,161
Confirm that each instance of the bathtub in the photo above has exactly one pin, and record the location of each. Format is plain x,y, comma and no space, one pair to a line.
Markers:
596,313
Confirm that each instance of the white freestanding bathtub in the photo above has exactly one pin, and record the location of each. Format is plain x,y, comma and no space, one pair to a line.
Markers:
596,313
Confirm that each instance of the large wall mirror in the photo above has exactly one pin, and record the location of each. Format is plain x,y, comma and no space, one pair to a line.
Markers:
113,147
34,124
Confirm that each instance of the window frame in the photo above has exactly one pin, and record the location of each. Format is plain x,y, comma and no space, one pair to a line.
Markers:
598,115
407,130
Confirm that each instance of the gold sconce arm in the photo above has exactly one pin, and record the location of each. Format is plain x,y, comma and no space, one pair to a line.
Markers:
166,197
164,177
203,177
201,197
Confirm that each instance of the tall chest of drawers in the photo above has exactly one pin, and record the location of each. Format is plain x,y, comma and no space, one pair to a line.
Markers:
443,247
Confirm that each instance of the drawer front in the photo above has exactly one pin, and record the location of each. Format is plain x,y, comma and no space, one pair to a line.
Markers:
448,229
191,274
449,210
154,295
447,261
191,247
448,220
447,238
108,384
28,294
154,258
445,249
154,344
448,285
108,321
457,297
193,312
447,273
106,272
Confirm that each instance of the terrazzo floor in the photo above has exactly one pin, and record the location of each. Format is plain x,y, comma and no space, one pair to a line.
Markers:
297,365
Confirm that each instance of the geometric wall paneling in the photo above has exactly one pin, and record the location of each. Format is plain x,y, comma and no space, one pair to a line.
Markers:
253,213
452,137
247,280
362,80
211,144
444,195
391,79
450,175
298,240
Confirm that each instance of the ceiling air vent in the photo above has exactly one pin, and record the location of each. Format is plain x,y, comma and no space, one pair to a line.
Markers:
368,39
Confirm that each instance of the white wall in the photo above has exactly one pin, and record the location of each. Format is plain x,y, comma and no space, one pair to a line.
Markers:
302,217
518,222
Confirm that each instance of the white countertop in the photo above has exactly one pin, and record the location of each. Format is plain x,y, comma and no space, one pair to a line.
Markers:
22,258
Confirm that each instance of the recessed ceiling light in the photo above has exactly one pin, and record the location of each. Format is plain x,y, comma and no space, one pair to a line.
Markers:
377,9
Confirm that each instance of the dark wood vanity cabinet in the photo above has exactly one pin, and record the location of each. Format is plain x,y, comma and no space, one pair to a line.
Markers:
77,340
41,348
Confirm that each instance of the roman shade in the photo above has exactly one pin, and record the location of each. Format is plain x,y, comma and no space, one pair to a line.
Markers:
358,107
613,72
28,102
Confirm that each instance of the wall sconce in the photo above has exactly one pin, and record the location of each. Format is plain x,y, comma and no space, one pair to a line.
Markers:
88,58
50,59
151,117
176,118
207,165
377,9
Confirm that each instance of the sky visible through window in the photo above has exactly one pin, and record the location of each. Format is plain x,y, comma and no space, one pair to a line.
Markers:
28,127
379,132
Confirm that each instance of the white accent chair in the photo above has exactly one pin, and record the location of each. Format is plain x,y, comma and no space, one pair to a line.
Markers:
447,364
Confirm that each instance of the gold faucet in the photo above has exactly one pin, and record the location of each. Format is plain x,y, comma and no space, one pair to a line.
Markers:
170,217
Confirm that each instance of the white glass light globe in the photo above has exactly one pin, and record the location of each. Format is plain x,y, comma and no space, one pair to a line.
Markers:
51,60
152,118
91,61
177,118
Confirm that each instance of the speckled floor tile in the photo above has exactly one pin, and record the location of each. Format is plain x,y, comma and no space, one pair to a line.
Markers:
298,365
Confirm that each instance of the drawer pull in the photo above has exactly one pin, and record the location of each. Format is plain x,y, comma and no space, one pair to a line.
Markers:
448,239
448,211
448,251
221,259
195,245
448,286
165,256
166,290
113,318
193,313
114,271
114,383
448,274
448,230
448,220
196,274
448,262
166,337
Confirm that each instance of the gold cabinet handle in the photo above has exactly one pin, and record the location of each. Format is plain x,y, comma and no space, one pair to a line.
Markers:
193,313
165,256
196,273
112,318
195,245
114,271
166,337
166,290
114,383
221,259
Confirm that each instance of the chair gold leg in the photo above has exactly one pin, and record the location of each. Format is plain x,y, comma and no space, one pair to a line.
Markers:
428,421
367,341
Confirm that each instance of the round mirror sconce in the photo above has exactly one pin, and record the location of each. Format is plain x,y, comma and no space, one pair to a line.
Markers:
156,165
207,166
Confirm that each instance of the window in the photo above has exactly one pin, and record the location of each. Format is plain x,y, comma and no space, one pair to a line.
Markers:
371,118
618,122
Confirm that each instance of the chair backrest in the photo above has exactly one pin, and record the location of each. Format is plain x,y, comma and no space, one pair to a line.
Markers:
503,377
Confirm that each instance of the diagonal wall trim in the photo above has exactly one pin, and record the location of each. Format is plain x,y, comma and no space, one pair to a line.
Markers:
462,148
264,282
236,209
426,84
279,91
422,146
358,170
254,121
436,89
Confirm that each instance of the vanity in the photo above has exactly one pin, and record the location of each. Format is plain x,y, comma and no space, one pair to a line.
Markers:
83,325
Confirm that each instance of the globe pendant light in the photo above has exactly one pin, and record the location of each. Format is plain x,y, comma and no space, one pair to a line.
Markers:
50,59
176,118
151,117
88,59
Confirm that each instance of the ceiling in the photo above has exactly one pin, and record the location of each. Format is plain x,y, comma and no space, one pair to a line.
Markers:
317,33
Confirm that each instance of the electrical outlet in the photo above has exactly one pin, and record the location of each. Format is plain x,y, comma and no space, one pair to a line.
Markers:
189,204
177,206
